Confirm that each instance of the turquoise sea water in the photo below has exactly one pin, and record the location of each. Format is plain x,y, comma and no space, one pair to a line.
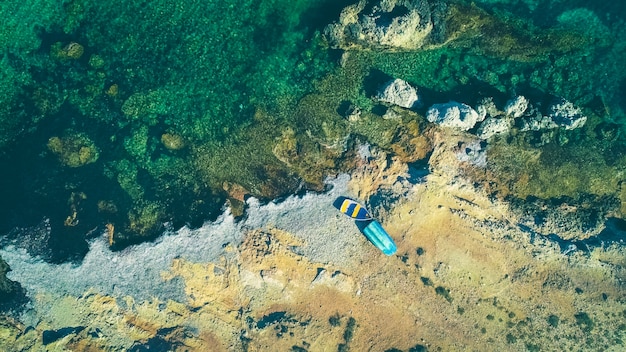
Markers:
134,115
196,71
126,120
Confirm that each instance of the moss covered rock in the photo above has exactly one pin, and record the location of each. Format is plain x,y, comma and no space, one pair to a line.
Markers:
172,141
74,149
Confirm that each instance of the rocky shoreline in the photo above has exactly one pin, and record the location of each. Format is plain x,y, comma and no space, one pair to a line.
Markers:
297,273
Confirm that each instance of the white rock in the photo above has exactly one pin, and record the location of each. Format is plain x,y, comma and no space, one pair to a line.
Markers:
453,114
399,92
493,125
516,107
537,123
392,115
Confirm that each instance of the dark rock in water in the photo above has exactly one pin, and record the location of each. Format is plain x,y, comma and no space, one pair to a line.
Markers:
50,241
382,25
11,293
156,343
49,336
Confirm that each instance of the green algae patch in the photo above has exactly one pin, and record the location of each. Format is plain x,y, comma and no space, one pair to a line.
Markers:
146,219
247,161
584,321
553,171
553,321
172,141
163,96
517,40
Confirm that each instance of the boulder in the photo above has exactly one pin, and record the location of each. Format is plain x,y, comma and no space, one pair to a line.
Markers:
487,108
382,25
399,92
453,114
516,107
74,149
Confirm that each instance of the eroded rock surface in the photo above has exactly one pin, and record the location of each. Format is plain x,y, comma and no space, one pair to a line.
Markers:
382,25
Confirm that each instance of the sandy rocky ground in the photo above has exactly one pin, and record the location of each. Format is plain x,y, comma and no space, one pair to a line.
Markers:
466,277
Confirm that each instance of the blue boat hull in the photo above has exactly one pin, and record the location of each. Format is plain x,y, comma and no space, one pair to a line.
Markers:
376,234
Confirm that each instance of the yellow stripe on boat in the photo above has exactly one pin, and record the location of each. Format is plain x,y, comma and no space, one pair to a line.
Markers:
355,212
344,206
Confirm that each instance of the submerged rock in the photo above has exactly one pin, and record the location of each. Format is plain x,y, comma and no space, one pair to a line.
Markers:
382,25
453,114
172,141
399,92
74,149
71,51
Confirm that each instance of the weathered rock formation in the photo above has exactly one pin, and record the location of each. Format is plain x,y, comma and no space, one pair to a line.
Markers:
382,25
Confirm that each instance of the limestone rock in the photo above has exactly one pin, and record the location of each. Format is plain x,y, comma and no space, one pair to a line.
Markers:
399,92
453,114
516,107
382,25
494,125
561,114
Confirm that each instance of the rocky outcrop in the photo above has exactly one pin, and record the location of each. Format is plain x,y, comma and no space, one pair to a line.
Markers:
560,114
516,107
400,93
466,263
382,25
518,112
